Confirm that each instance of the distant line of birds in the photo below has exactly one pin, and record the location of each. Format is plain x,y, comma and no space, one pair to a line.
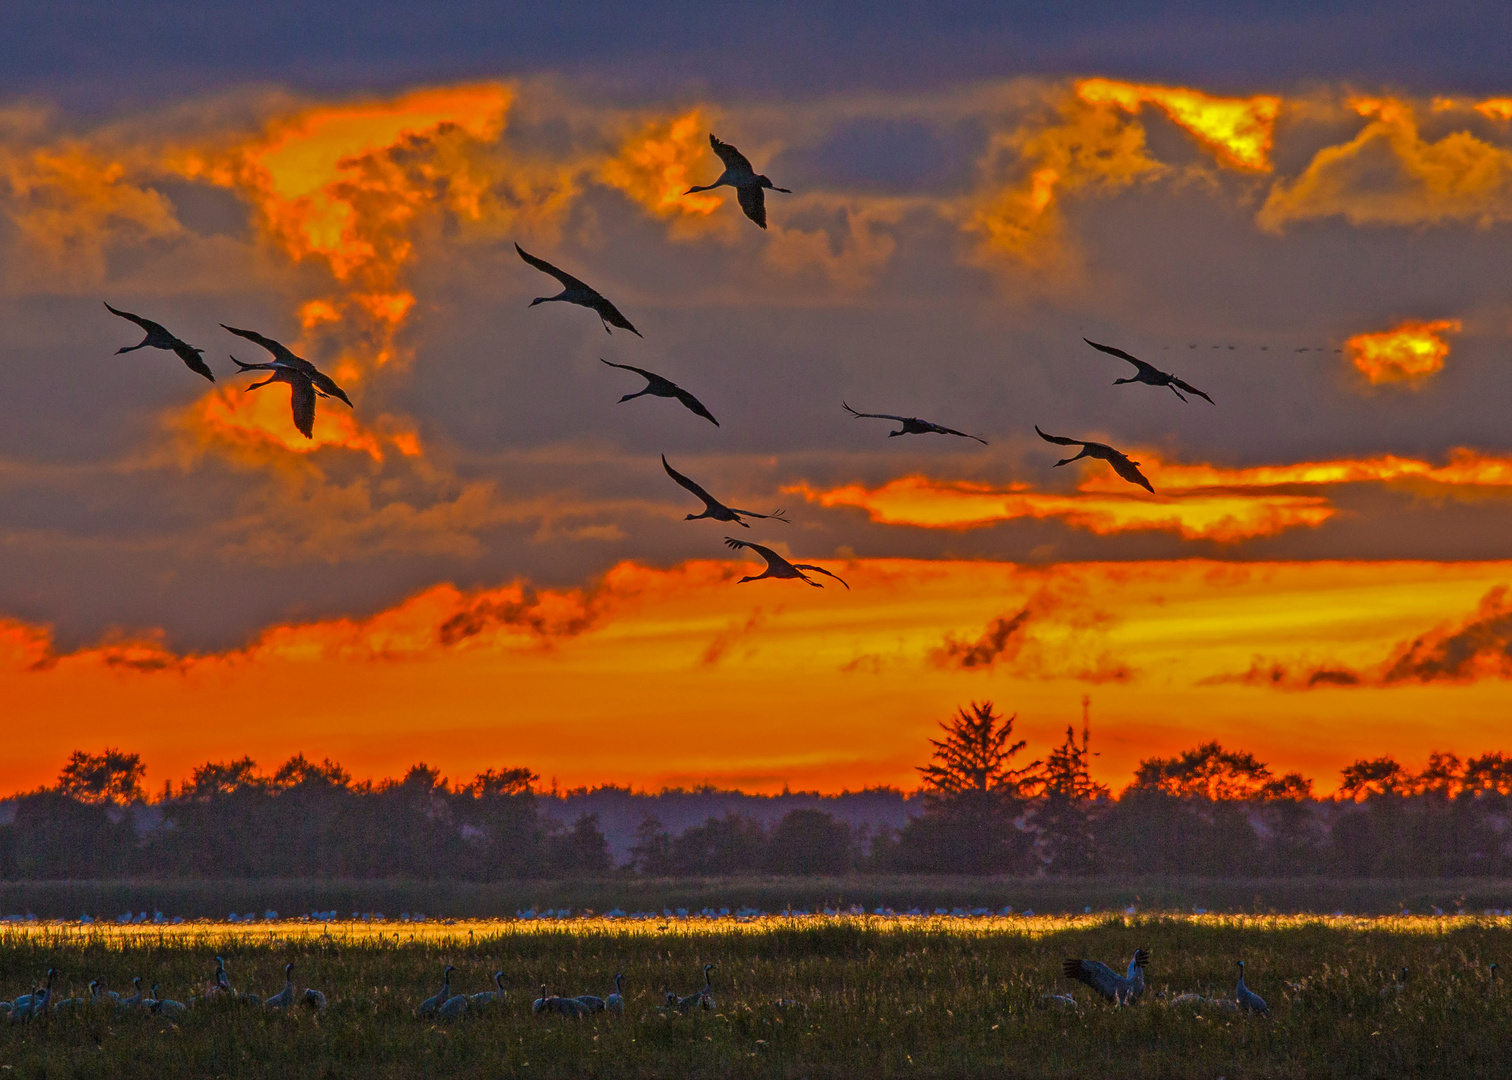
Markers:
306,382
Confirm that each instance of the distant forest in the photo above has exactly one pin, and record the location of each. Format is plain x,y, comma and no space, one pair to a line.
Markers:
1207,812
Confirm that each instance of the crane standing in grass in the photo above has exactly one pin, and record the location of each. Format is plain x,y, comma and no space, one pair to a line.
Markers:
1248,1000
430,1005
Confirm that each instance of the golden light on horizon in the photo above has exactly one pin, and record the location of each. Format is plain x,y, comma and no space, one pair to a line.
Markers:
1410,352
469,679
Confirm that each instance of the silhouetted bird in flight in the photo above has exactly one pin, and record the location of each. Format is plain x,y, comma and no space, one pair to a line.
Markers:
657,386
912,425
1125,468
158,337
1119,989
713,508
1149,373
577,292
738,174
302,392
778,567
284,358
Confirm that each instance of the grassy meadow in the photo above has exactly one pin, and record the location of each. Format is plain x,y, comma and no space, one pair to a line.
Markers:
867,997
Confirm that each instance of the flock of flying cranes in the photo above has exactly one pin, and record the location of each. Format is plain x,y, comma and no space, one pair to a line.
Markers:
306,382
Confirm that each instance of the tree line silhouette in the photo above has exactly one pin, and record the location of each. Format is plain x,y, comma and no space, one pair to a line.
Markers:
1208,812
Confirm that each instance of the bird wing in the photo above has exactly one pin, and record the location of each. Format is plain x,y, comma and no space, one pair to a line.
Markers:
611,315
567,280
732,158
302,402
940,430
773,559
694,404
1189,388
649,376
879,415
277,348
1059,440
192,359
708,499
820,570
1111,351
1096,974
753,202
1126,469
327,385
146,324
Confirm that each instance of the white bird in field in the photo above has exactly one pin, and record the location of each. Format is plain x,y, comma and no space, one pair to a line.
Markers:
135,1000
659,386
489,997
1248,1000
578,292
778,567
452,1008
98,993
1063,1001
615,1002
284,998
314,1000
34,1004
747,182
713,508
430,1005
166,1006
700,999
1119,989
912,425
158,337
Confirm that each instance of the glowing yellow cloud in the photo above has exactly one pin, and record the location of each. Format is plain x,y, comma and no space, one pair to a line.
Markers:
1084,148
656,166
1389,175
1223,516
1409,353
1238,131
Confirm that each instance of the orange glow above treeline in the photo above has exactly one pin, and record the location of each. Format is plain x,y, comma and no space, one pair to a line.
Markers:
816,688
1409,353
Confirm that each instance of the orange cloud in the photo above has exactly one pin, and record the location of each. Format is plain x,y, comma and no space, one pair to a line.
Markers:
1389,174
250,424
1457,651
1081,148
655,166
69,201
1238,131
1195,515
1409,353
1495,108
450,676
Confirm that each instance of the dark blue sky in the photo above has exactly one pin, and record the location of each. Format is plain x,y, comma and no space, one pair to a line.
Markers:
97,57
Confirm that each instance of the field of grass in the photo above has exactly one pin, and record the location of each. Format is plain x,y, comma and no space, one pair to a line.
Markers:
872,997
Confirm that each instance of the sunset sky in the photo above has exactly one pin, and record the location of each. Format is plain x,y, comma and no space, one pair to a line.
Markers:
1302,210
